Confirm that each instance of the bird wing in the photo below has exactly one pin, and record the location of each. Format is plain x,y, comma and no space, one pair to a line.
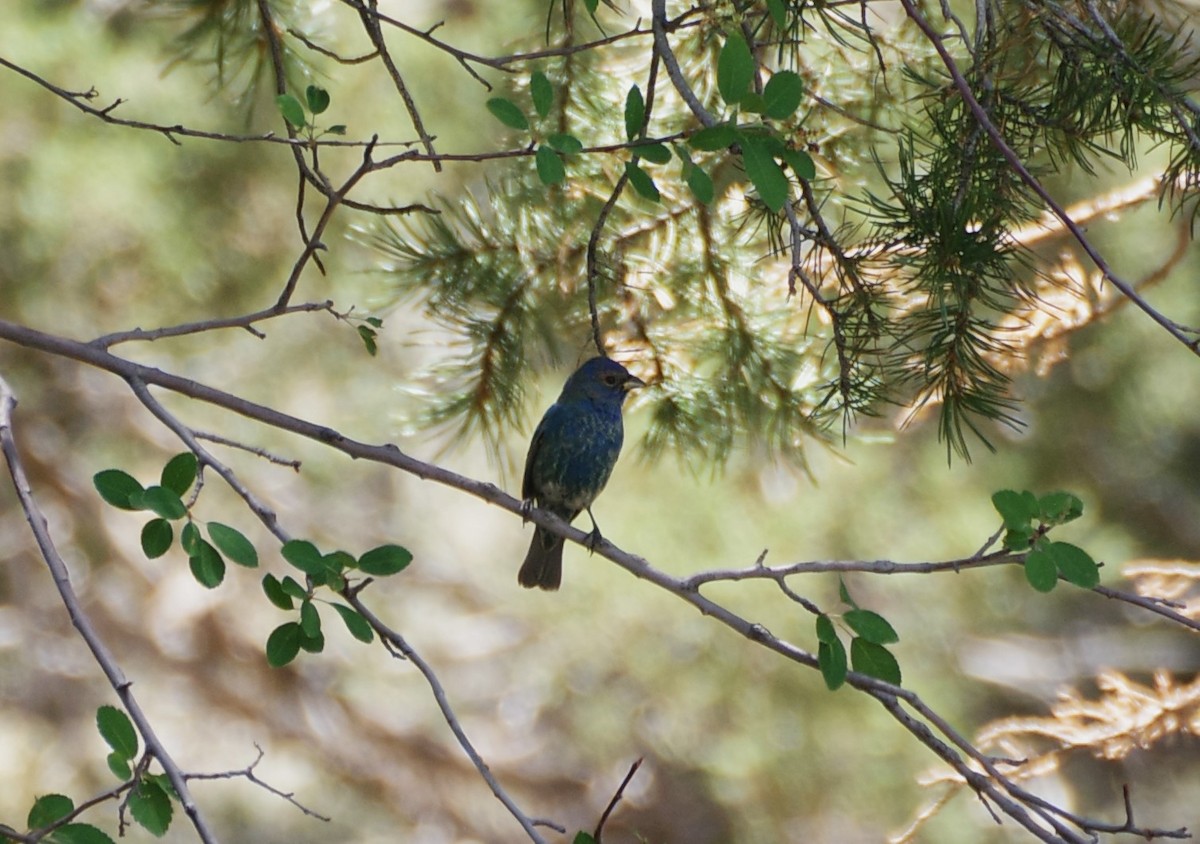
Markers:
527,485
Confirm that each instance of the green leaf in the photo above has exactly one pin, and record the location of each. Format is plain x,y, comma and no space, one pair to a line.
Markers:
339,561
782,94
1040,570
188,537
753,102
564,143
275,593
157,535
635,112
314,644
735,69
119,766
47,809
713,138
700,184
871,626
117,487
1076,565
233,544
654,153
303,555
310,619
591,6
1057,508
336,129
151,807
801,163
291,110
207,565
507,112
582,837
831,657
78,833
164,782
778,13
1013,508
293,588
317,97
385,560
180,473
283,644
117,730
542,92
874,660
357,625
641,181
375,321
549,166
367,335
161,501
844,593
825,629
765,174
1019,539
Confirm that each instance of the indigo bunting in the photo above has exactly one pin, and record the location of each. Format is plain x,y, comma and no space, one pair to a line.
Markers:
572,454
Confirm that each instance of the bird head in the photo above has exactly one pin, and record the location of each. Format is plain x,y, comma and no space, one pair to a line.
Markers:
601,378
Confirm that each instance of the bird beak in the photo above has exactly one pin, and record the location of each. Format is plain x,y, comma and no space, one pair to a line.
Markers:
632,383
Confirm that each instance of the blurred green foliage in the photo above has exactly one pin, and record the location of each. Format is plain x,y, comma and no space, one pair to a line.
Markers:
105,228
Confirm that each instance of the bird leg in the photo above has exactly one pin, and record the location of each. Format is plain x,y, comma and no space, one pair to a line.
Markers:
594,538
526,507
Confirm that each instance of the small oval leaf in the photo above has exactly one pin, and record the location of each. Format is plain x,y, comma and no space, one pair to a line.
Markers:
49,808
713,138
507,112
283,644
116,487
564,143
317,97
831,657
157,535
550,168
207,565
151,807
641,181
385,560
117,730
735,69
874,660
654,153
233,544
275,593
163,502
1076,565
635,112
357,625
871,626
782,94
291,110
542,93
765,174
1040,570
303,555
180,473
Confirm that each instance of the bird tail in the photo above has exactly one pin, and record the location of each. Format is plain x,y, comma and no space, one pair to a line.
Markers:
543,564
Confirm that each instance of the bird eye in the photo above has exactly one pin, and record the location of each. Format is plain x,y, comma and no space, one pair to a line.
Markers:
610,379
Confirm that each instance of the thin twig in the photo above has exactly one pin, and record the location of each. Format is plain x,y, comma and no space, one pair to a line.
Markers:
406,650
616,798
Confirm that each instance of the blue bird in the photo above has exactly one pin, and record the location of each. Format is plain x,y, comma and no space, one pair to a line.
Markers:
572,454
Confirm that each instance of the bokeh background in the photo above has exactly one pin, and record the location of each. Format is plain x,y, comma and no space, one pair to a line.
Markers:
106,228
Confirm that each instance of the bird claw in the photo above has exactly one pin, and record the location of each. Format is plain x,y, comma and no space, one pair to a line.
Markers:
526,508
593,539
